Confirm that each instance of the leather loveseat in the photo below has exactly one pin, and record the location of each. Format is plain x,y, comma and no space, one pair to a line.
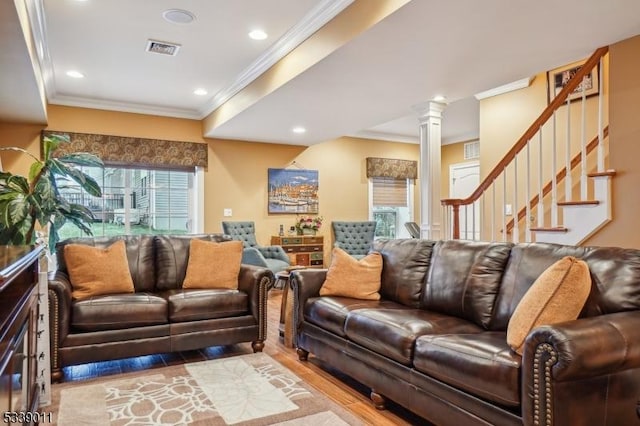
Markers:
436,341
159,316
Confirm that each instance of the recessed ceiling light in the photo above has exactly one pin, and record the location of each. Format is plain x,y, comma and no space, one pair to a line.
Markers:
299,129
258,35
439,98
200,92
75,74
178,16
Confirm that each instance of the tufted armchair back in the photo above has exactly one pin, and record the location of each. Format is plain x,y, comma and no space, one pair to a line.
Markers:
354,237
241,231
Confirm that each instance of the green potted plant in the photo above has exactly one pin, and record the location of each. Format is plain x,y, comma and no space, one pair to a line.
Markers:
27,201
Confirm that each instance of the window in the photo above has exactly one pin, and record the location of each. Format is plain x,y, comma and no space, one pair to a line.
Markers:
138,201
391,205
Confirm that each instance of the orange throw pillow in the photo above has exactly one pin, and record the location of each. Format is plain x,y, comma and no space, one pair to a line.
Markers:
213,265
350,277
558,295
95,271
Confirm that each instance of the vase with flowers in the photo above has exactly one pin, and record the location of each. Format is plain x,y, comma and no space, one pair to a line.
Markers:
307,225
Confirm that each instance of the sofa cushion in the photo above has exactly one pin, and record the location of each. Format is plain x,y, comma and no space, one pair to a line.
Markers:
140,256
557,295
481,364
172,256
201,304
330,313
404,271
119,311
464,279
350,277
213,265
393,332
95,271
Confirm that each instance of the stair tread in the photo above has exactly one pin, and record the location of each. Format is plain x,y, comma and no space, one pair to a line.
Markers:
609,172
549,229
580,203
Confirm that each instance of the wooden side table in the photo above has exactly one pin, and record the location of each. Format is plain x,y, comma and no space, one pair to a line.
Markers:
285,328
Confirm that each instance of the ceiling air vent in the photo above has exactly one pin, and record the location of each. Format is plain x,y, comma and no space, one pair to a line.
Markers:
162,47
472,150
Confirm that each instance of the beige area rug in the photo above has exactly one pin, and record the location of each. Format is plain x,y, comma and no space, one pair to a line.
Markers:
244,390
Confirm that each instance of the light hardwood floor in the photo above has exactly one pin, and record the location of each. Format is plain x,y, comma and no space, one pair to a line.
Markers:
339,387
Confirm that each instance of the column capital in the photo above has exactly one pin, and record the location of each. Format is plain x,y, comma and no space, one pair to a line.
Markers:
429,109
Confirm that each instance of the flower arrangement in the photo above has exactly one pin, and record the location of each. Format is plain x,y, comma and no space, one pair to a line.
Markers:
308,223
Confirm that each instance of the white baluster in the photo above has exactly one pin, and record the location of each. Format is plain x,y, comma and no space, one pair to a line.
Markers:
466,222
473,220
568,179
527,196
514,210
554,180
600,151
504,204
493,211
583,144
540,208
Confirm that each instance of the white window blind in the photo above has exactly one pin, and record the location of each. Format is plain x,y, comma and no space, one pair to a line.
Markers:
389,192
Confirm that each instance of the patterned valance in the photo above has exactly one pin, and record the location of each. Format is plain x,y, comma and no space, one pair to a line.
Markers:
392,168
128,151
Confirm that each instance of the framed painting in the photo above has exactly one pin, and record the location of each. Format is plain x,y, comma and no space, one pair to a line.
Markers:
559,77
293,191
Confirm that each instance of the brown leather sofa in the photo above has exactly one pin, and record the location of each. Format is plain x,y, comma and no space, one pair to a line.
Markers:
436,341
160,316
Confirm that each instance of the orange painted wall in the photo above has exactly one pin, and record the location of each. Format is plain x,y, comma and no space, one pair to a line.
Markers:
236,177
624,146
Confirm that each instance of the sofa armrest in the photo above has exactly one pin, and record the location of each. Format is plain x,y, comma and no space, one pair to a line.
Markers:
256,281
59,312
587,359
305,283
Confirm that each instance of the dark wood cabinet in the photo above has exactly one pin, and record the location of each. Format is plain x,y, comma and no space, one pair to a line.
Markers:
18,329
303,250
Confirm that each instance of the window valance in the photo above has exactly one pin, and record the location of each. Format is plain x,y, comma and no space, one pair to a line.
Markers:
121,150
391,168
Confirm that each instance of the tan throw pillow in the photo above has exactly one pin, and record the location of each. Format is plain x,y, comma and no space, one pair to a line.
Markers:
558,295
96,271
350,277
213,265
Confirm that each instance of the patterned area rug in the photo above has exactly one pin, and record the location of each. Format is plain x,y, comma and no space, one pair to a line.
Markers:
243,390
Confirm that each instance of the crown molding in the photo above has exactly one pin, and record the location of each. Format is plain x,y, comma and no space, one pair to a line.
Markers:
80,102
319,16
505,88
38,23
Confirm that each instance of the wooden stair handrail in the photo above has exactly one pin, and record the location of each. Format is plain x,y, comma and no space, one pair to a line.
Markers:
558,101
559,177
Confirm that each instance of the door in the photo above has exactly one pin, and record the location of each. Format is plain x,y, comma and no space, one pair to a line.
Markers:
464,179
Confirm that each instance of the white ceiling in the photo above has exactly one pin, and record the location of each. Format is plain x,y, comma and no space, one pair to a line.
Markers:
366,87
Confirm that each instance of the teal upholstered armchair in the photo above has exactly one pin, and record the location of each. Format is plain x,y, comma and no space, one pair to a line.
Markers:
354,237
271,257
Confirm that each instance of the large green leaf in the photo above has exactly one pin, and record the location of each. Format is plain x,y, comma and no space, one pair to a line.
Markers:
17,184
85,181
82,159
35,170
17,210
50,143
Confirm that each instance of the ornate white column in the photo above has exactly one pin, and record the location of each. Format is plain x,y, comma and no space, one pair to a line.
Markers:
430,118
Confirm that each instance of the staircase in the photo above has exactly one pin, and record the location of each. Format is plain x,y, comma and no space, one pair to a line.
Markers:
554,177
